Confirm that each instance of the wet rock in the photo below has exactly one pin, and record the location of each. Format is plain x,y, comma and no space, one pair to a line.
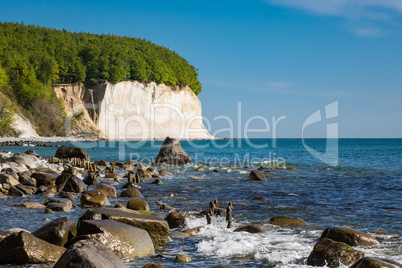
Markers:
145,171
109,191
256,175
261,198
46,170
69,183
200,169
172,153
58,201
24,248
333,254
179,235
113,176
45,179
14,191
164,172
57,232
157,182
182,258
91,179
65,151
253,228
349,236
176,219
28,181
138,204
30,152
26,189
153,265
23,159
3,234
165,207
47,193
59,207
29,205
285,221
89,254
102,163
157,228
125,240
68,196
131,192
369,262
94,198
7,178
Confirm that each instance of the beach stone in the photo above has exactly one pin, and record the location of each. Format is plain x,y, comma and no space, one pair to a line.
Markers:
285,221
70,183
131,192
7,178
153,265
109,191
331,253
14,191
164,172
23,159
178,235
102,163
157,181
172,153
46,170
157,228
26,189
175,219
182,258
138,204
59,201
94,198
59,207
256,175
91,179
68,196
370,262
89,254
28,181
45,179
65,151
145,171
23,247
57,232
29,205
253,228
349,236
124,240
113,176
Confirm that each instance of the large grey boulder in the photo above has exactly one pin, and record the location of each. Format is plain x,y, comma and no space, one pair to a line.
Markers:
24,247
125,240
65,151
57,232
157,228
349,236
172,153
89,254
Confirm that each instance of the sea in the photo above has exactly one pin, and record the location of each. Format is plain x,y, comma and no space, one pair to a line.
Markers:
353,183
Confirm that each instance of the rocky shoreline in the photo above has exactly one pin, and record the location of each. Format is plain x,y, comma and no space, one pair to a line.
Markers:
108,237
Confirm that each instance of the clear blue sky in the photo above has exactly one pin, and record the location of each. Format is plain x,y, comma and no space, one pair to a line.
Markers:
278,57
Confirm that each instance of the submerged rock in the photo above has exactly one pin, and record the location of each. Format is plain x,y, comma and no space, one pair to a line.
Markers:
349,236
182,258
333,254
57,232
89,254
285,221
256,175
172,153
176,219
65,151
254,228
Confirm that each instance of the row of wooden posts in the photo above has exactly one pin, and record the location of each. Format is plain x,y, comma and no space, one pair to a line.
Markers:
211,212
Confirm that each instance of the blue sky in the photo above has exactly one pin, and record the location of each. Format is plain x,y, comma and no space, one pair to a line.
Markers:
277,57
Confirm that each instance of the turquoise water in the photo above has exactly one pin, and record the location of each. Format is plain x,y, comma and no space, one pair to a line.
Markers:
362,192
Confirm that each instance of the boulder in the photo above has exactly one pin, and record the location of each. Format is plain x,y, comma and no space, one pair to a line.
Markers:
23,247
176,219
26,189
138,204
91,179
349,236
109,191
94,198
65,151
57,232
368,262
131,192
285,221
58,200
23,159
145,171
69,183
101,163
157,228
182,258
59,207
89,254
333,254
125,240
14,191
172,153
7,178
45,179
164,172
256,175
253,228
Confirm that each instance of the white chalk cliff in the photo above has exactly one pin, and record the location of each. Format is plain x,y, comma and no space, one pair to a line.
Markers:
132,110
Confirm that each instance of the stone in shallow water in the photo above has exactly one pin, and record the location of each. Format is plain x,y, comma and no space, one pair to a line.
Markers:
138,204
182,258
57,232
172,153
94,198
253,228
369,262
285,221
131,192
349,236
256,175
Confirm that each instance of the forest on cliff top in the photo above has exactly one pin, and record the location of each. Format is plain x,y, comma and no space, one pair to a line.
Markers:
33,58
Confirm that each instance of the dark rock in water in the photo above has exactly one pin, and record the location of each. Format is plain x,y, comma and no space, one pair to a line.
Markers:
65,151
31,152
59,207
59,201
125,240
256,175
45,179
349,236
91,179
14,191
182,258
153,265
70,183
102,163
253,228
331,253
145,171
89,254
369,262
109,190
138,204
157,228
94,198
129,185
66,195
131,192
261,198
172,153
176,219
57,232
26,189
285,221
2,196
24,248
157,182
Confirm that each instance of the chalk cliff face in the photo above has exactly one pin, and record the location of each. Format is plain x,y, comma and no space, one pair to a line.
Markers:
131,110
